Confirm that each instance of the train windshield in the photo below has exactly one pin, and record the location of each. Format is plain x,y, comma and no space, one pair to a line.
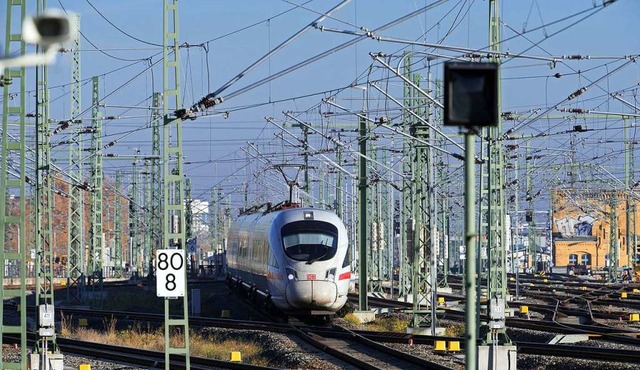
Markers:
310,241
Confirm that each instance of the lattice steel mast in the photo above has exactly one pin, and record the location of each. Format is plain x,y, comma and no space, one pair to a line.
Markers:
496,237
13,253
96,240
117,225
156,173
173,200
422,259
406,222
46,348
75,261
134,209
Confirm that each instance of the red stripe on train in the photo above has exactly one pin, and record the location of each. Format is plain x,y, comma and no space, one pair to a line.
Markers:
345,275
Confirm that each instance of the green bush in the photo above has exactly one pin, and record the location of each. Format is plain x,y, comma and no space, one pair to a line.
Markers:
352,319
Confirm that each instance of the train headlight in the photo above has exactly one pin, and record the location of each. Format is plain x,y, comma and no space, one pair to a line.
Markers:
291,274
331,274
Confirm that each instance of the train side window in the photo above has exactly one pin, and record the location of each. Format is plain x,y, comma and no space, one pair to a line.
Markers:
273,261
256,250
265,252
347,259
242,250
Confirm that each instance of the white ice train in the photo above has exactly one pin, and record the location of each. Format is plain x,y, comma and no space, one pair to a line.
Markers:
295,258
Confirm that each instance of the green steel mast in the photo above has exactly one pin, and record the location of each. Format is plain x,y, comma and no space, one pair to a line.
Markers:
421,257
156,173
148,219
188,212
338,206
308,199
134,229
496,235
386,227
531,233
46,349
443,200
614,241
173,200
213,224
630,205
363,226
96,237
406,222
44,299
12,183
43,220
375,277
117,225
75,261
188,226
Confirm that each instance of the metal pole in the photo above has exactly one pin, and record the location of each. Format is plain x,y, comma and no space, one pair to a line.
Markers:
173,195
362,209
471,357
627,189
76,204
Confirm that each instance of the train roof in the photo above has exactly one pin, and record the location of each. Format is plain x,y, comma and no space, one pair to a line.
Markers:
268,208
288,211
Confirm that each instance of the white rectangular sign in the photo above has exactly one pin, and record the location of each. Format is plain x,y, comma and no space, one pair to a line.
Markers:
170,273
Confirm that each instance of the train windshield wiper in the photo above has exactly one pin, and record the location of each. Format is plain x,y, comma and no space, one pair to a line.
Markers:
326,250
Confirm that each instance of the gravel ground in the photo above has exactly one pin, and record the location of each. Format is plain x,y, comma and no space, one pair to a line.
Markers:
536,362
283,351
70,361
292,353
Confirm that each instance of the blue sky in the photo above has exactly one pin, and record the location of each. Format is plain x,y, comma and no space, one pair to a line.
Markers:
216,143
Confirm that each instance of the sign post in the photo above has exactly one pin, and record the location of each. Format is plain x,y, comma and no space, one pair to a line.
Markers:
470,100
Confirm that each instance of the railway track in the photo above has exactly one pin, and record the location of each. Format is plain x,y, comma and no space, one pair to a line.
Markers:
146,358
362,348
530,348
365,353
366,350
606,355
350,347
135,356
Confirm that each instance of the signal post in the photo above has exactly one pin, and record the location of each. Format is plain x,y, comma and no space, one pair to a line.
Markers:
471,102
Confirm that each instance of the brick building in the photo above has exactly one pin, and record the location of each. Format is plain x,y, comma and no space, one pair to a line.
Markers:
582,227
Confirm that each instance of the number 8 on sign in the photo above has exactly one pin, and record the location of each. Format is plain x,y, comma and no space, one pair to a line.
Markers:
170,273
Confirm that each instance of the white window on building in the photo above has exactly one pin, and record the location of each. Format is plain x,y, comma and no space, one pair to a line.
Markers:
573,259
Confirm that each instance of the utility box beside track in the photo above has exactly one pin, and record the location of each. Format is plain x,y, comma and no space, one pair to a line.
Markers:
497,357
55,361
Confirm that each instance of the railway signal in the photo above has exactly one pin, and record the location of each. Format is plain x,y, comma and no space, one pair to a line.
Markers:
471,101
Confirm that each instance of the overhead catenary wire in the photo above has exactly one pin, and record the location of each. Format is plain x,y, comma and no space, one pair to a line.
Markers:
568,98
329,160
343,145
94,45
212,99
119,29
383,102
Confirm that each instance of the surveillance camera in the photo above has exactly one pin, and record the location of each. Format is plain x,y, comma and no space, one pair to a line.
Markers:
49,30
52,27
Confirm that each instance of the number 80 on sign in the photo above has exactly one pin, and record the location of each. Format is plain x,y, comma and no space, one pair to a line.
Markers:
170,273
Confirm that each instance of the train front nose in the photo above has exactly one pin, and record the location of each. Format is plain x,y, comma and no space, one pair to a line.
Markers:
311,293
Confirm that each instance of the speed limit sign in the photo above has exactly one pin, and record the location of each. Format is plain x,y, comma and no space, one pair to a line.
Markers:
170,273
